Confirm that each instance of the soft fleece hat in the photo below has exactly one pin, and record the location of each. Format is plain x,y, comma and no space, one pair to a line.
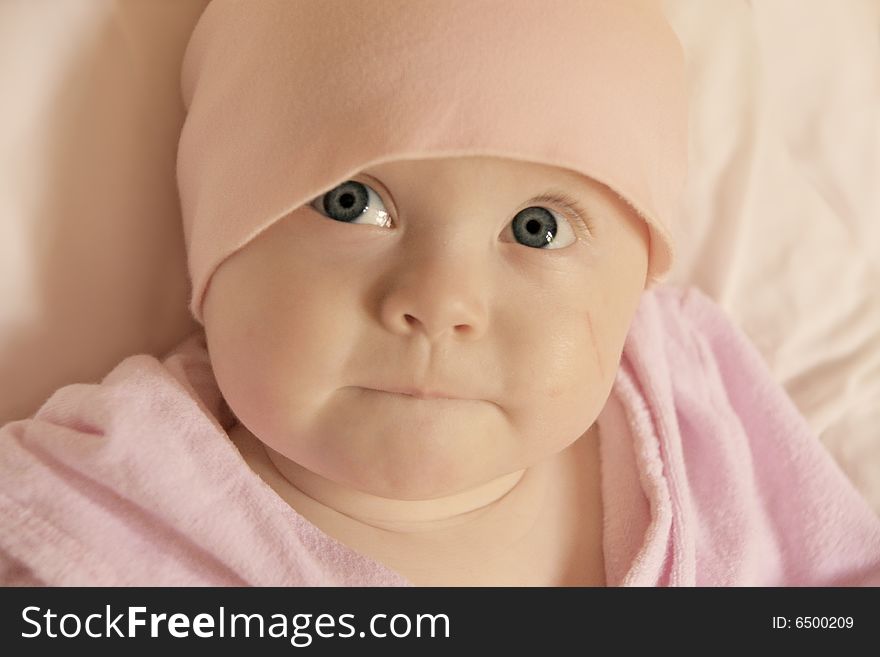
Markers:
287,99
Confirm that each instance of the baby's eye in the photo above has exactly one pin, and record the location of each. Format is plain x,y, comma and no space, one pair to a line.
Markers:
353,202
537,227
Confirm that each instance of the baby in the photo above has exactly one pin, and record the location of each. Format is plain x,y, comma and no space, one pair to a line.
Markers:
459,334
425,241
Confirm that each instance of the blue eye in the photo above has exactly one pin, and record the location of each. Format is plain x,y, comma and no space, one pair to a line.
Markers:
540,228
535,227
353,202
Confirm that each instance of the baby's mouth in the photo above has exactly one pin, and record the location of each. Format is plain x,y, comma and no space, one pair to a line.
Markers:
418,393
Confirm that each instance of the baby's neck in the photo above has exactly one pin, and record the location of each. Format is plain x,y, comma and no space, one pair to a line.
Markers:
399,516
510,529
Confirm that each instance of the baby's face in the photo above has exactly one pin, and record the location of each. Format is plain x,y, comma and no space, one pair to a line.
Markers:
439,285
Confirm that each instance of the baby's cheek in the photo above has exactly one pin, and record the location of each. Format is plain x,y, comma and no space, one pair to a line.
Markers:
562,390
586,385
241,386
268,398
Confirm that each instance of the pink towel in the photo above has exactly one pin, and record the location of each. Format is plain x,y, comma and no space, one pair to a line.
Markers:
720,482
709,477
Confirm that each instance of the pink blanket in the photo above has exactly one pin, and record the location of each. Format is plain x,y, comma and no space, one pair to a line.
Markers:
709,477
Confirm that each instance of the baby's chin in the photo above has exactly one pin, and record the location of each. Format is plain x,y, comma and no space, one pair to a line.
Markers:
402,448
383,460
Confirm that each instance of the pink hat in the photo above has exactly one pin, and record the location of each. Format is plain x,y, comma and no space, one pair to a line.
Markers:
287,99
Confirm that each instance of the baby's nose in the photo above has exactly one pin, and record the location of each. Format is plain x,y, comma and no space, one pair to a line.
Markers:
442,295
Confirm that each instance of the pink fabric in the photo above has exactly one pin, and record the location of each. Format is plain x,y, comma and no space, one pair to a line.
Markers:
721,482
709,477
286,100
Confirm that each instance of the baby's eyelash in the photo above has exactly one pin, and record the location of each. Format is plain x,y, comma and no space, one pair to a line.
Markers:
569,203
